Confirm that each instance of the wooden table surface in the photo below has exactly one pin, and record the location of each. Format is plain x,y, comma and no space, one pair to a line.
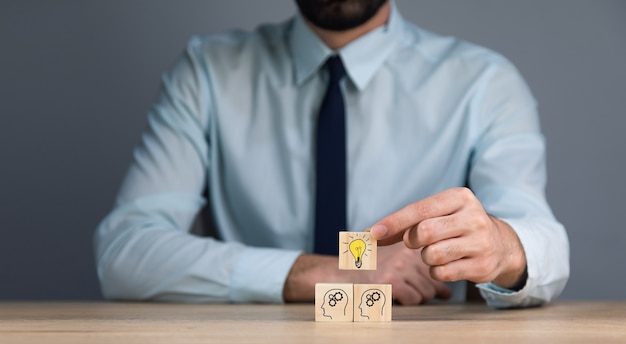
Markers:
109,322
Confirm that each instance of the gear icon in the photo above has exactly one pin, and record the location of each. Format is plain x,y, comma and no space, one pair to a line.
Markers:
334,298
372,298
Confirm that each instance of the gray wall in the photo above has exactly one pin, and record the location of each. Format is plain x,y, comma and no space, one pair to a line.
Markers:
77,77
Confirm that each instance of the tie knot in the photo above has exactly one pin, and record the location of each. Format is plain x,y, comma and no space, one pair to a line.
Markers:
335,68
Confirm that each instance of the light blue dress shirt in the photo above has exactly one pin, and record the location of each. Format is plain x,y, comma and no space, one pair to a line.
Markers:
237,115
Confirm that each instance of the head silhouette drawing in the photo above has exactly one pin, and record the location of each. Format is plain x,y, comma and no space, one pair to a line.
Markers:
335,303
372,300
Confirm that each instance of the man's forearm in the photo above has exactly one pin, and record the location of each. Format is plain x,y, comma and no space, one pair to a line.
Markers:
306,271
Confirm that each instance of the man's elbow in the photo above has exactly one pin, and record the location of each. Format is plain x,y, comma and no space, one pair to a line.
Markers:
117,283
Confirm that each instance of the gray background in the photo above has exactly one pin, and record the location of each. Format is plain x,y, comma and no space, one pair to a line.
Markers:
77,78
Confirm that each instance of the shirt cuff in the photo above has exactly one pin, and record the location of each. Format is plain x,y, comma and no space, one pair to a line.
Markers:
260,274
498,297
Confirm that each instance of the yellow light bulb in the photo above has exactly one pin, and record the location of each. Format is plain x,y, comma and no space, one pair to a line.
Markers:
357,248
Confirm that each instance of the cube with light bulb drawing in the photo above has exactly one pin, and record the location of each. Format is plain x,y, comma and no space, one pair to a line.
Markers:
357,251
354,302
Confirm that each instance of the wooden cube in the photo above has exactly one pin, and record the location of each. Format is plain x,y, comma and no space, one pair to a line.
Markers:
357,251
372,302
334,301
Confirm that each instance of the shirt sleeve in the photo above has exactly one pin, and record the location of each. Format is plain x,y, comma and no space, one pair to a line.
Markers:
508,176
143,248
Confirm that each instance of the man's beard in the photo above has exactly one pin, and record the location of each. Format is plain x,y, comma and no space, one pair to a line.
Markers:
339,15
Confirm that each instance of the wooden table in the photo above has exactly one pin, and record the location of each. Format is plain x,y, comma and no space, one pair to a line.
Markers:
103,322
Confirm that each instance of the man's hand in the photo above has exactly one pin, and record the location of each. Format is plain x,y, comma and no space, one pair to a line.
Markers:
404,269
397,265
458,240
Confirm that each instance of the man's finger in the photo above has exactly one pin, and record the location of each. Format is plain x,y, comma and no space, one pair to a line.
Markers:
387,241
441,204
471,269
391,240
433,230
444,292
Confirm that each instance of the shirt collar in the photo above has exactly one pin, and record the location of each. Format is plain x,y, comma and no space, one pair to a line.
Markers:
361,58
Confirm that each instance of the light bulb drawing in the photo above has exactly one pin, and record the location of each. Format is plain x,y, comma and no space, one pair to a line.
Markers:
359,247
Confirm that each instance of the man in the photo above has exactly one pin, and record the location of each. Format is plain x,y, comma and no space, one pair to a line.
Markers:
442,152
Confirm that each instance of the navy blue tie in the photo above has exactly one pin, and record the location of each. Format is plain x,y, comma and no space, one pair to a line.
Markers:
330,202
